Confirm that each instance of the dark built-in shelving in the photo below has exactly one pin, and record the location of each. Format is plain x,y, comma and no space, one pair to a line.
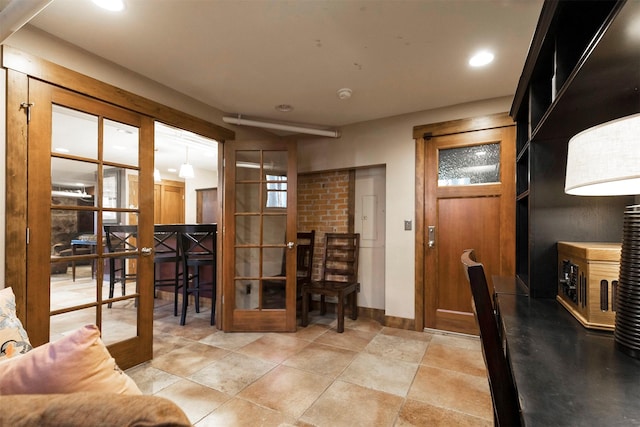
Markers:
583,69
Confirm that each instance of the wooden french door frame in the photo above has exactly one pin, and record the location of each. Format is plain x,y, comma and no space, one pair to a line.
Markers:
137,348
421,135
20,66
258,318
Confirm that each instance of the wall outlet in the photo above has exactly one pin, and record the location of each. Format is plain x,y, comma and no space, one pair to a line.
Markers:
407,225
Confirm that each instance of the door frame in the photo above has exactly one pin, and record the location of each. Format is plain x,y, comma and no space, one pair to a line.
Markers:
421,134
260,319
20,66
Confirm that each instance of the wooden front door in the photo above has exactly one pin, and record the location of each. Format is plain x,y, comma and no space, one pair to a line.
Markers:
469,199
80,155
259,236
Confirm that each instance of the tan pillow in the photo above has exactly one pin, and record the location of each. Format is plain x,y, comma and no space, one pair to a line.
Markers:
77,362
13,337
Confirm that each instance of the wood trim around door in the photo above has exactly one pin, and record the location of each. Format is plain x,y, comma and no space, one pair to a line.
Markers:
49,72
419,133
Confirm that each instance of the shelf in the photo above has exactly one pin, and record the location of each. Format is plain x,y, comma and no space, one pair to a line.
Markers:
610,58
522,196
582,69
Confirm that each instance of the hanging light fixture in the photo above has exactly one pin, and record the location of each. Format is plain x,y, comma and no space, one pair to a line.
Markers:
186,170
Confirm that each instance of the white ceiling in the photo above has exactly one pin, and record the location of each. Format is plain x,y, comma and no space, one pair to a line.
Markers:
247,56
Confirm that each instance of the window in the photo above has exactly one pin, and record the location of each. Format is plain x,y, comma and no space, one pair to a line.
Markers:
276,191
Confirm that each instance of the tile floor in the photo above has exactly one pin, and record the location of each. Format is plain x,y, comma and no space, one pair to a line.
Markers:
368,376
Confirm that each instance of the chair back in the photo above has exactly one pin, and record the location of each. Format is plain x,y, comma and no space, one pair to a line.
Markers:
304,252
198,244
166,242
340,262
121,238
503,393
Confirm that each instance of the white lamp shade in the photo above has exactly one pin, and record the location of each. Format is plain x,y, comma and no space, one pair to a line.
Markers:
186,171
605,160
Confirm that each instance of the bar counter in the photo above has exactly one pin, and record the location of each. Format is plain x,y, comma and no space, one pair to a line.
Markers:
565,374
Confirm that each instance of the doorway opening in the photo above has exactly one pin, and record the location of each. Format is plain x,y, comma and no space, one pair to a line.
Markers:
349,201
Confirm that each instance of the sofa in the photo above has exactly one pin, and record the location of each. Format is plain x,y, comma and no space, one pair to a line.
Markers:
89,409
73,381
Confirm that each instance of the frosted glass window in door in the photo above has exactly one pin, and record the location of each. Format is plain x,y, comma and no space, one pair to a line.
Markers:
479,164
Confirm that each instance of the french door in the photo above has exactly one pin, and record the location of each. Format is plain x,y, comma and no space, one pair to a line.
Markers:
259,267
81,153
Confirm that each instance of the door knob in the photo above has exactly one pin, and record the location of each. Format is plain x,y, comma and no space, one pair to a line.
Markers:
146,251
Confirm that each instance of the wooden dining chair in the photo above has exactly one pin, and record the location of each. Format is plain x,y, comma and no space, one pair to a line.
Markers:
339,277
506,409
304,260
198,245
121,239
274,289
167,260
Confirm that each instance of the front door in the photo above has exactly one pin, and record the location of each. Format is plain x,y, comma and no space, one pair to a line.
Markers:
81,153
259,267
469,204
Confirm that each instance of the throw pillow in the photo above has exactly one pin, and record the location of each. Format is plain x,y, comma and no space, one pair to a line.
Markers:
77,362
13,337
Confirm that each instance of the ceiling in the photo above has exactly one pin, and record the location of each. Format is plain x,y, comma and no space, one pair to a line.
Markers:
247,56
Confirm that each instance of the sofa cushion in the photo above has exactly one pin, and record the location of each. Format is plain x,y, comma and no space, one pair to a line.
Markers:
77,362
13,337
90,409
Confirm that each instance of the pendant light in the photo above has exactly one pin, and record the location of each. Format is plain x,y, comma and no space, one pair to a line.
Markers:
186,170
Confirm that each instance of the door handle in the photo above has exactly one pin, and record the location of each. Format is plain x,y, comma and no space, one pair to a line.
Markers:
290,245
432,235
146,251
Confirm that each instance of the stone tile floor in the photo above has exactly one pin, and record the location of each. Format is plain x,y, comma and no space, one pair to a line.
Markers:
368,376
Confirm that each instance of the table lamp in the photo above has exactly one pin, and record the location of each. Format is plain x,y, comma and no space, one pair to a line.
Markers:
605,161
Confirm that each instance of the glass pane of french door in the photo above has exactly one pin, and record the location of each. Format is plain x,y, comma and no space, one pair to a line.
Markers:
80,203
78,173
262,219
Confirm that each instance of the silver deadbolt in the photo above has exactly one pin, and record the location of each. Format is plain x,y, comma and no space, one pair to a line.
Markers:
146,251
432,236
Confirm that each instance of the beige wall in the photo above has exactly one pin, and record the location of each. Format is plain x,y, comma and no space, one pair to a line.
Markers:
43,45
380,142
389,142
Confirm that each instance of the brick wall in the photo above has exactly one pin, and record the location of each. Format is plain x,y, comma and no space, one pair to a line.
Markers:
325,204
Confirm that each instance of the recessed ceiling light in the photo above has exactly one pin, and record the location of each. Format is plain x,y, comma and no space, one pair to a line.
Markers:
481,58
61,150
284,108
112,5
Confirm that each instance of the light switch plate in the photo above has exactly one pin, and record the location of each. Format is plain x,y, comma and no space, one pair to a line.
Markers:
407,224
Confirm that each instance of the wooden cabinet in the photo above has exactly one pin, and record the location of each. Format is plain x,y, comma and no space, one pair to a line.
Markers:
583,69
169,202
207,205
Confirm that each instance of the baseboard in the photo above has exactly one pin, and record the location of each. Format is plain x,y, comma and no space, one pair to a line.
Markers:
376,314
